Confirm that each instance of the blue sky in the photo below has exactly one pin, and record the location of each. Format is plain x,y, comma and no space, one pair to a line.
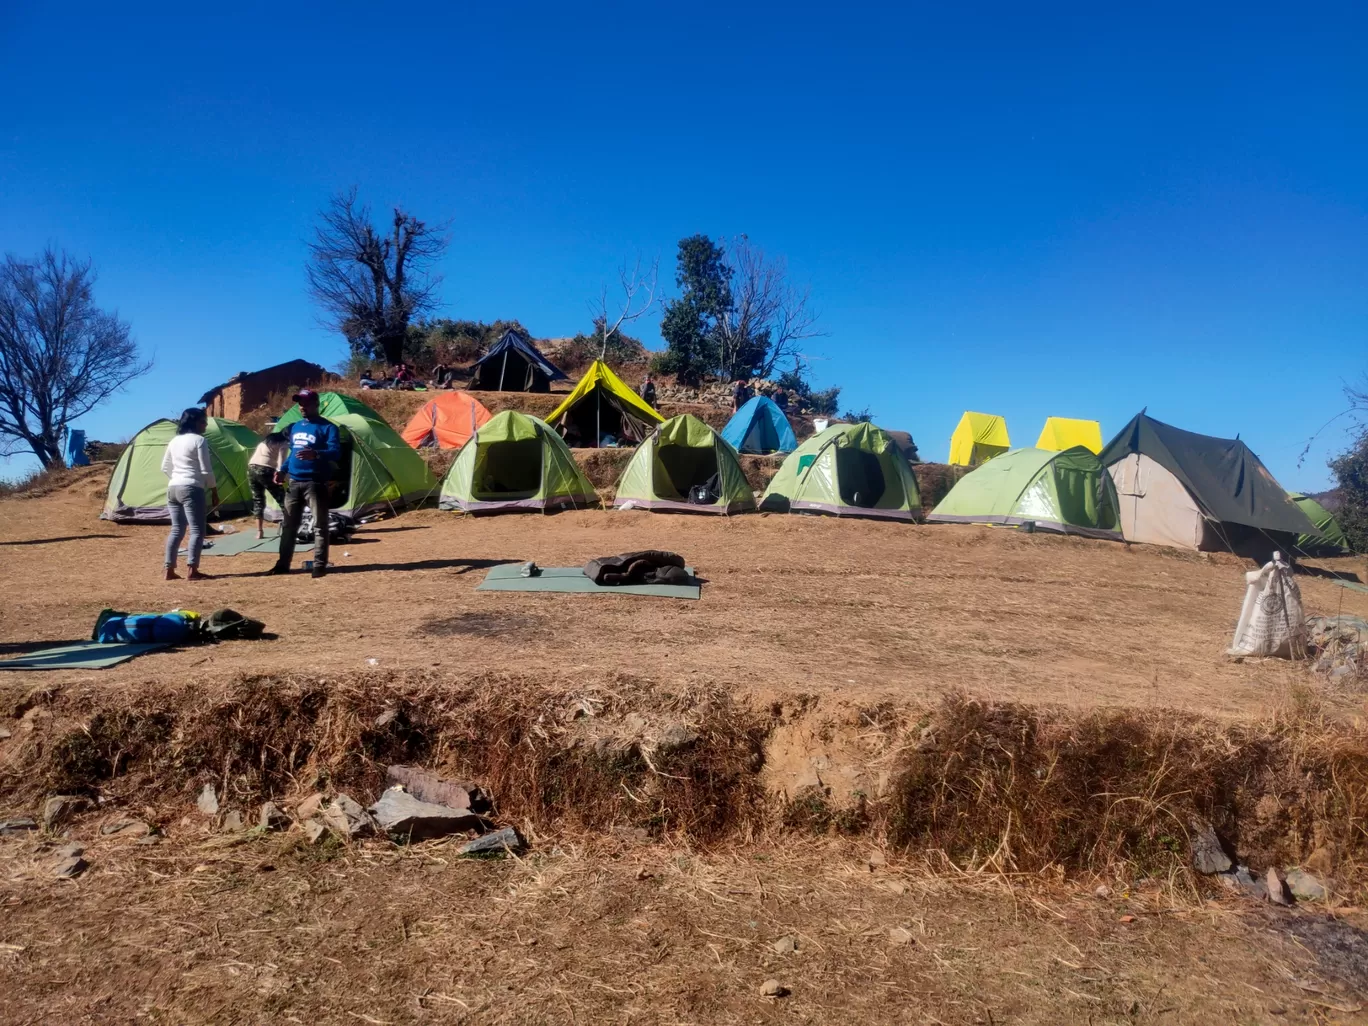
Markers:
1020,209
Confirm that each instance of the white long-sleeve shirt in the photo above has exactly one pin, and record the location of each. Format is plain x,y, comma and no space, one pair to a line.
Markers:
187,462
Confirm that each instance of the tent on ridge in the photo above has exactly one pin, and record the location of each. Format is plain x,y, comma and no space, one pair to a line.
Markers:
1060,433
513,364
846,470
684,467
137,487
1332,540
760,427
446,421
1194,491
515,463
602,405
978,437
1067,492
380,470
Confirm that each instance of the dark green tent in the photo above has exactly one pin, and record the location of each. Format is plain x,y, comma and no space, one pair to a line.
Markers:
1180,488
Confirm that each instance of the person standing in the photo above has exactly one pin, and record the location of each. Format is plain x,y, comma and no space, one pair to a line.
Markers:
189,471
315,447
741,394
264,475
648,392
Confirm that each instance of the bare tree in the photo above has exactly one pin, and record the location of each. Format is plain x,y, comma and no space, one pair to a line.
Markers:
768,317
633,304
371,285
60,355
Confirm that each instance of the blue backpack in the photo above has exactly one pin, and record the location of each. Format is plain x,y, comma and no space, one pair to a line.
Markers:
172,627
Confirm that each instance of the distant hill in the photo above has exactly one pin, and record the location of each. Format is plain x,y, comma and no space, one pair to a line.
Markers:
1331,499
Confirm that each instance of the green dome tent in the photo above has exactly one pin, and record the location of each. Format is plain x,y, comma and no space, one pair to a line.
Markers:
1332,540
137,488
381,470
1067,492
682,455
847,470
512,464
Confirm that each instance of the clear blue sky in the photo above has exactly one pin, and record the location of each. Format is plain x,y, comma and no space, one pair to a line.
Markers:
1017,208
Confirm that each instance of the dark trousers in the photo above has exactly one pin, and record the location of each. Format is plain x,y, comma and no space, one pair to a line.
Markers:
315,494
262,480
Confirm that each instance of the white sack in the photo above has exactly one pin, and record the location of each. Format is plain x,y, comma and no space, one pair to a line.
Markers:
1271,620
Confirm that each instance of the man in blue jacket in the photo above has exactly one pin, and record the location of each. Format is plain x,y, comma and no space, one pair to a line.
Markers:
315,451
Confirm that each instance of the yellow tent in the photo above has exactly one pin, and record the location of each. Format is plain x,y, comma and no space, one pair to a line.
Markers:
978,437
1060,433
602,406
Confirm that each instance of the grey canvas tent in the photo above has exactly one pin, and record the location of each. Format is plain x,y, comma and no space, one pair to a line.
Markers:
513,364
1179,488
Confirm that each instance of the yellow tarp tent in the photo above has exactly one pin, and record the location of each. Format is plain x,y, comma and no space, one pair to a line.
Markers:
601,406
1060,433
977,438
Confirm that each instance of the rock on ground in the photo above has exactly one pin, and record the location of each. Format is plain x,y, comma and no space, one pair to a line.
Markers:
429,787
59,808
500,840
207,802
1304,886
1208,857
407,817
347,819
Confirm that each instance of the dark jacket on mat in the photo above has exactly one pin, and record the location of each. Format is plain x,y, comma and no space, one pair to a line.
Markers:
648,567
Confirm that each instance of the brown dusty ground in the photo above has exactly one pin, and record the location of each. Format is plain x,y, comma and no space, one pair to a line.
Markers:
857,611
191,931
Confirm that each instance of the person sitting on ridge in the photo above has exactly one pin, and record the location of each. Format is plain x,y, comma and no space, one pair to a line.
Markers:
648,391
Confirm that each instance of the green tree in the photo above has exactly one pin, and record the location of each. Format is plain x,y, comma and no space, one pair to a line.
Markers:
1351,475
689,324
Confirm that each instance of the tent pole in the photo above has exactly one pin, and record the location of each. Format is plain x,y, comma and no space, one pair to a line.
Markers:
503,369
598,419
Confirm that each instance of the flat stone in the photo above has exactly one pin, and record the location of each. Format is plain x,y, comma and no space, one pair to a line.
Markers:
70,868
385,718
676,735
69,851
1103,891
149,839
1277,890
232,822
1208,857
785,946
314,830
773,989
900,935
500,840
309,807
876,860
272,818
22,825
125,828
1242,880
406,817
347,819
429,787
1304,886
207,802
59,808
6,733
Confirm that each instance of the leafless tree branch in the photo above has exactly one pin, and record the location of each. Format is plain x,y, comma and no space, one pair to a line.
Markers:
370,285
768,318
60,355
638,297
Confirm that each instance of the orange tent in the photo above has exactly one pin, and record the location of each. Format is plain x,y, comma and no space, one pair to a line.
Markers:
446,421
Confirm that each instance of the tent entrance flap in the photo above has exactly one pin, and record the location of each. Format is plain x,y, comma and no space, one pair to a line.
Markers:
508,470
861,477
680,468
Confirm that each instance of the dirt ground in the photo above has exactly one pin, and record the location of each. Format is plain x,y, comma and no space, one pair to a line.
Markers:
204,930
860,612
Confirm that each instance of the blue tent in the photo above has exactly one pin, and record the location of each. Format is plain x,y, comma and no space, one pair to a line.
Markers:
513,364
760,427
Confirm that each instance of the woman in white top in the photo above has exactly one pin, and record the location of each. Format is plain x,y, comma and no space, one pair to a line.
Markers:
264,475
190,474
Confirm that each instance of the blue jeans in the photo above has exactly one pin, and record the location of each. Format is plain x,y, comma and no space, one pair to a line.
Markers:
186,506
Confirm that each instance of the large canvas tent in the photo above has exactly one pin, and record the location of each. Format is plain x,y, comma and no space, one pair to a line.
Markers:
1332,541
978,437
1194,491
1067,492
515,463
684,466
760,427
513,364
1060,433
446,421
137,487
846,470
379,471
601,406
